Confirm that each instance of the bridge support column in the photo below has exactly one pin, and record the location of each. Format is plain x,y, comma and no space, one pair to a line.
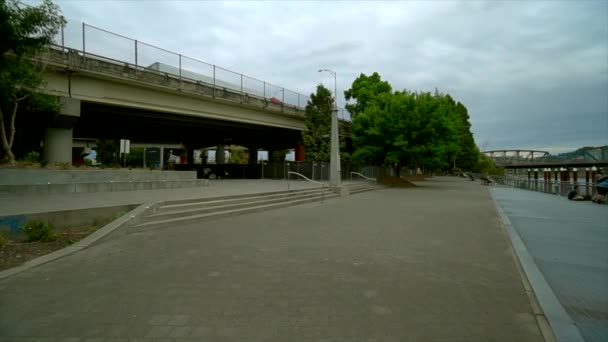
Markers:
190,155
556,173
58,145
58,138
300,153
220,157
253,155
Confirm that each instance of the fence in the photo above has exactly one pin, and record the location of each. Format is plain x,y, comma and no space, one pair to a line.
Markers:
547,186
318,171
94,41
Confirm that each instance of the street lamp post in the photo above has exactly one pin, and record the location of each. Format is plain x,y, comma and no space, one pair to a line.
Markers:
334,160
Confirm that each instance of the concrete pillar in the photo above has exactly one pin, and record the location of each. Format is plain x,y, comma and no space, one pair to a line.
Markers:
253,155
300,153
58,137
575,175
556,173
220,157
189,155
58,145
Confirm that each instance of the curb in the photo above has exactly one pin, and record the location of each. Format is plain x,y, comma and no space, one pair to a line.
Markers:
127,219
562,326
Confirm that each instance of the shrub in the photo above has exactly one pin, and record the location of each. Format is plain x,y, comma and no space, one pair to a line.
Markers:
88,162
32,157
3,240
39,231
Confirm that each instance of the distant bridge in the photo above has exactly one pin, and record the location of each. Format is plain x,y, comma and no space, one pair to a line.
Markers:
518,159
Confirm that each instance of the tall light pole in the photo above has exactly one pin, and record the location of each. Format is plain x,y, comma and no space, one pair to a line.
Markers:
334,160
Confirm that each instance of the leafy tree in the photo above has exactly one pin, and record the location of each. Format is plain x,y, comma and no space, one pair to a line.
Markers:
25,31
407,129
135,158
486,165
316,137
278,156
238,156
107,152
366,90
467,157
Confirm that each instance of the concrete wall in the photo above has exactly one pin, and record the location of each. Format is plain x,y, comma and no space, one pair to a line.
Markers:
50,189
43,176
64,219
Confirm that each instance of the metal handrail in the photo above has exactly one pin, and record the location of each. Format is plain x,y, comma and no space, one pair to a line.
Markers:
362,176
323,185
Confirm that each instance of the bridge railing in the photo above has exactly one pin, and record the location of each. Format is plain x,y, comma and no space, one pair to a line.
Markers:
561,188
89,39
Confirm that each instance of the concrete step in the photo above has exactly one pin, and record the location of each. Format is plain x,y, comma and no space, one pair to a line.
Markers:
225,213
227,204
358,188
227,200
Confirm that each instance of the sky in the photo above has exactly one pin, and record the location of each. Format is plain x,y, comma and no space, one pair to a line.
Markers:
533,74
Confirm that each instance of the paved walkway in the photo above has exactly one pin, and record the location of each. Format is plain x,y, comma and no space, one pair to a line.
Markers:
569,243
421,264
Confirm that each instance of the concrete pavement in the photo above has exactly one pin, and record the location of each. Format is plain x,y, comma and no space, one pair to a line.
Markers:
422,264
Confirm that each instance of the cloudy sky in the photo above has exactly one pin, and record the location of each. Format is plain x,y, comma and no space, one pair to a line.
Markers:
533,74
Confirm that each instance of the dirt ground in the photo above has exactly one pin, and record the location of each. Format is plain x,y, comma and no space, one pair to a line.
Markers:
17,252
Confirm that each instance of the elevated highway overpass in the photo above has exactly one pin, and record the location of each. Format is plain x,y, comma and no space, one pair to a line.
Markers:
105,97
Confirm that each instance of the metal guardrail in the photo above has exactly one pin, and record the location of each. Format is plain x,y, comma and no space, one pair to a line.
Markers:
362,176
323,185
550,187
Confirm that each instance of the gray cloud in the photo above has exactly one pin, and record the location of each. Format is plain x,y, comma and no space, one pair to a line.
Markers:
533,74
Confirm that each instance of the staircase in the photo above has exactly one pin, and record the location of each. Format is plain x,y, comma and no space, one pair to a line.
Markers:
355,188
196,210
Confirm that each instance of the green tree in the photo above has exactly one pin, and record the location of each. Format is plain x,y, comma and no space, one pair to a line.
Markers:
487,166
316,137
407,129
238,156
366,90
135,158
107,152
467,157
277,156
26,32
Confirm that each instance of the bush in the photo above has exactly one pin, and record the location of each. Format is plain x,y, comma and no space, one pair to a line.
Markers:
32,157
39,231
3,240
88,162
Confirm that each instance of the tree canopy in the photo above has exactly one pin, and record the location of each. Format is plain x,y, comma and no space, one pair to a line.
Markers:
316,137
365,90
26,31
409,129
